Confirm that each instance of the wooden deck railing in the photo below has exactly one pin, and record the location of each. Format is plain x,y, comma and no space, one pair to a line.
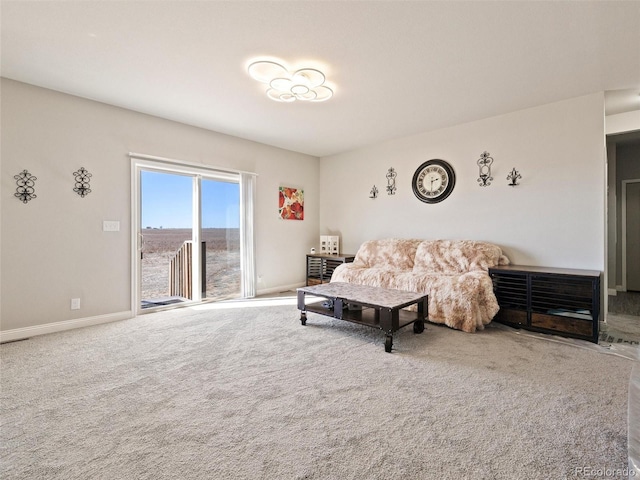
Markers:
182,268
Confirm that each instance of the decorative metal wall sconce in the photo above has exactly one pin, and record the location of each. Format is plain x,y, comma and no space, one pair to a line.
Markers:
484,165
25,190
513,177
391,181
374,192
83,177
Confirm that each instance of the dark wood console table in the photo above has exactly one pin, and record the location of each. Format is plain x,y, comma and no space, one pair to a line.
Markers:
559,301
320,266
372,306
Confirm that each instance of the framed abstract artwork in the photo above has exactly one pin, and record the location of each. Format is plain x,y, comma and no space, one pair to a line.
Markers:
291,203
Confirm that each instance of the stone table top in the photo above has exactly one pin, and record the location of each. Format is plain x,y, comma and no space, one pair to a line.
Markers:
351,292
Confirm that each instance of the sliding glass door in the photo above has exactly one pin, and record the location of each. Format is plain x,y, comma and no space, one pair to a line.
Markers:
220,236
188,229
166,238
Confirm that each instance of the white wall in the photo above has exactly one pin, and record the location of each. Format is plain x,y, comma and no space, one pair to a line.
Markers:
622,122
554,218
53,248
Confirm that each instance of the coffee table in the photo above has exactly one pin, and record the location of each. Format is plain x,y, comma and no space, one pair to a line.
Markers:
372,306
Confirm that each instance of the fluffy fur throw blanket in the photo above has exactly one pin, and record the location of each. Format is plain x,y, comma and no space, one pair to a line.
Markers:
452,272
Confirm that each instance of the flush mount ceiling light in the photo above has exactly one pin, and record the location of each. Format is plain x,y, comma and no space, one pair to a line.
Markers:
305,84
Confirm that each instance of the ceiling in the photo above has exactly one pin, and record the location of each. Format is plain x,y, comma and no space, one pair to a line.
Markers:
397,67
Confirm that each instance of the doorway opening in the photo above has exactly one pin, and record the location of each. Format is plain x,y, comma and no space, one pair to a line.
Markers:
631,234
191,243
623,226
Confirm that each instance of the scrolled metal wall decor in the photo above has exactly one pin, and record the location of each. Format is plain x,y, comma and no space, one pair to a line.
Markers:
391,181
25,190
484,165
513,177
374,192
83,177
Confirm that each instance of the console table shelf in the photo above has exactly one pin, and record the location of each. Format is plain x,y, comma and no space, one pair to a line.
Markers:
559,301
320,266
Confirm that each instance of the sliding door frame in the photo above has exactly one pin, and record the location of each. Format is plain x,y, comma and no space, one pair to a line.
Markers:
140,162
623,227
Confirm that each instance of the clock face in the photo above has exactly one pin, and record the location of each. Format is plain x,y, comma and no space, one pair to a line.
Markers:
433,181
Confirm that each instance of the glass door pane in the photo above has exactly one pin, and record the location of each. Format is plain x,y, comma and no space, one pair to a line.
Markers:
220,234
167,233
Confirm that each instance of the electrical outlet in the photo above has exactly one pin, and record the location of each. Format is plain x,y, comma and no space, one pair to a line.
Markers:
75,304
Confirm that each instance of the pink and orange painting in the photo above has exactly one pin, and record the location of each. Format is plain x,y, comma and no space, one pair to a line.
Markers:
291,203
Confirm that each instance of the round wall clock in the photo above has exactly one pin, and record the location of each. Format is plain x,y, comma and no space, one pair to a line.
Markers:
433,181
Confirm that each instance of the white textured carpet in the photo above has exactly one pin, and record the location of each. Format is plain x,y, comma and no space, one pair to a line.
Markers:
249,393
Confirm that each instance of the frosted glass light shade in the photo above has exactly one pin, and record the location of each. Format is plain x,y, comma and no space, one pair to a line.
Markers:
305,84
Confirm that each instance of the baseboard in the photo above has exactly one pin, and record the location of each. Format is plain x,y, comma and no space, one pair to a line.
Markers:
26,332
282,288
612,291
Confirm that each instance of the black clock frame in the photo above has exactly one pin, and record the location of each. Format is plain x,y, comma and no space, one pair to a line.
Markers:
448,189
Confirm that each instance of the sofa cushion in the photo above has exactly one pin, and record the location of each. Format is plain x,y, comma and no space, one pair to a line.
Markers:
457,256
465,302
371,276
390,253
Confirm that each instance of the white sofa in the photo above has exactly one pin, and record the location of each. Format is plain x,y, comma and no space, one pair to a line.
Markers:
454,273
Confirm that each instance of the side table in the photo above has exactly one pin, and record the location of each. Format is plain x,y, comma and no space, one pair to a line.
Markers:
320,266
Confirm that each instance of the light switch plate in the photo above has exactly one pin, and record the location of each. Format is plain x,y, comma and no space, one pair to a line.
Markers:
111,226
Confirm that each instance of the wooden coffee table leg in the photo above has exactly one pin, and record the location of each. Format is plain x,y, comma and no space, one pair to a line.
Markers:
388,343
